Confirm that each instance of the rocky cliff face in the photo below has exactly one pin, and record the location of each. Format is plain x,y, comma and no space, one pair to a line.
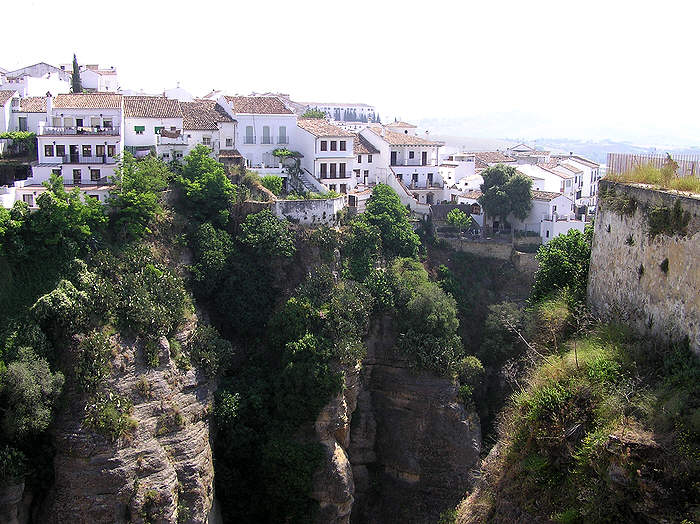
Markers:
162,473
400,447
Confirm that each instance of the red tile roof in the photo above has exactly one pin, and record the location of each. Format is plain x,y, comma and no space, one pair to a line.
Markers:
88,101
492,157
229,153
362,146
322,127
5,96
401,139
151,107
258,105
32,104
203,114
545,195
400,124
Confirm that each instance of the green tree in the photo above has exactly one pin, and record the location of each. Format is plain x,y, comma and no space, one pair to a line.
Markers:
505,192
76,85
267,235
136,199
313,113
208,191
273,183
460,219
385,211
563,263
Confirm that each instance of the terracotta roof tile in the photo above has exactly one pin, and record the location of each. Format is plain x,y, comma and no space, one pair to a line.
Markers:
5,96
229,153
471,194
544,195
151,107
32,104
401,139
361,146
88,101
258,105
322,127
492,157
400,124
203,114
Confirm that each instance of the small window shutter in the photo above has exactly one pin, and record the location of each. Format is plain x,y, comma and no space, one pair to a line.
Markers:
139,128
158,129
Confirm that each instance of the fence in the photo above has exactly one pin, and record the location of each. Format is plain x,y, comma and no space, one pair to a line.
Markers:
618,163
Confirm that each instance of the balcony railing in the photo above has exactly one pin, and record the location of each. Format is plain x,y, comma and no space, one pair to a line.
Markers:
249,140
413,163
283,140
79,130
266,140
77,159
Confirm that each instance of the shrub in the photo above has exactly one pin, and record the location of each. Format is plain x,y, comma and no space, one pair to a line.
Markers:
29,390
213,249
385,212
266,235
209,351
92,361
13,465
273,183
109,415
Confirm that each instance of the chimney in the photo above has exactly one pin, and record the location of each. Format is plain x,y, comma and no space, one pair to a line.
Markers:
49,107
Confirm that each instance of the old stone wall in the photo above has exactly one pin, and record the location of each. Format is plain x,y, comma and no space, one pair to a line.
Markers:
650,283
483,248
310,212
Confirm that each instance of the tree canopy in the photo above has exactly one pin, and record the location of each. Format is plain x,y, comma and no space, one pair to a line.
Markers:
313,113
385,212
505,192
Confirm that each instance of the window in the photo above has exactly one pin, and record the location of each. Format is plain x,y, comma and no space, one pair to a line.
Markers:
60,150
206,140
283,135
68,121
324,145
166,156
56,121
56,172
411,154
178,154
23,123
139,129
96,197
399,176
331,187
48,150
343,188
357,172
324,170
266,138
95,175
334,173
359,159
94,121
334,145
249,135
158,129
28,199
414,178
77,176
342,170
369,159
110,150
229,142
343,145
87,150
79,122
107,123
366,172
99,150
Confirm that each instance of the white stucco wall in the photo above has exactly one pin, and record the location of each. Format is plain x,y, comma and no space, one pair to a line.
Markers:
148,138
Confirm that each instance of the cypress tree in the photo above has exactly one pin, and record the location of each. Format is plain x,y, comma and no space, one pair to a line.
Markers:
76,85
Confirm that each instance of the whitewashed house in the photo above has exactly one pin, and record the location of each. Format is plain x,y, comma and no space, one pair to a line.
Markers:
591,174
263,124
208,123
28,112
551,214
368,161
94,78
328,153
80,140
471,198
7,98
549,179
36,80
145,117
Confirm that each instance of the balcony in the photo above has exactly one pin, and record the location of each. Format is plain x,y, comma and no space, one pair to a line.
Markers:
266,140
412,163
432,185
77,159
79,130
249,140
283,140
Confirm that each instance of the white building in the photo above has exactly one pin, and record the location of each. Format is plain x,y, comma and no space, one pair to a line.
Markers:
263,124
368,161
345,111
178,93
591,174
328,153
93,78
80,141
6,101
28,112
551,214
525,154
549,179
206,122
145,117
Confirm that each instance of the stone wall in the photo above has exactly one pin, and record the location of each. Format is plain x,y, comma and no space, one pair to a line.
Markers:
651,284
483,248
310,212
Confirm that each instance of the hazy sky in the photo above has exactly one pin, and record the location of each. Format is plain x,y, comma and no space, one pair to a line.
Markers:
617,69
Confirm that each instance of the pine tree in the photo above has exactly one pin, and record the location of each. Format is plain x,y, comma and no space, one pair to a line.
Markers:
76,85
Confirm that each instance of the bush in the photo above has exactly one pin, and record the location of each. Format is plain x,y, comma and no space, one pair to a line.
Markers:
29,390
273,183
266,235
109,415
385,212
92,361
13,465
209,351
213,249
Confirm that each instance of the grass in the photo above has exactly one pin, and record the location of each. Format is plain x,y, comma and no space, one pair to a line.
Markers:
609,433
661,178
